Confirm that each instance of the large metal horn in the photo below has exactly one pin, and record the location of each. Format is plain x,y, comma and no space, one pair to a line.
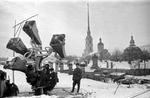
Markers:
31,30
17,45
58,44
16,63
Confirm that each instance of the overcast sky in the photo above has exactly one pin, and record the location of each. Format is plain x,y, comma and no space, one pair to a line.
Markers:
114,22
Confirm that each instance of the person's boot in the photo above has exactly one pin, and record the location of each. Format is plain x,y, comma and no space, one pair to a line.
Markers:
78,90
72,90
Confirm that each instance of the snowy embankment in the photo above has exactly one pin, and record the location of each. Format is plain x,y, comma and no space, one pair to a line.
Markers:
97,89
90,88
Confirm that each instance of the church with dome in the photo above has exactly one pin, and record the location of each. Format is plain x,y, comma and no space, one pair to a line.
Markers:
132,52
102,52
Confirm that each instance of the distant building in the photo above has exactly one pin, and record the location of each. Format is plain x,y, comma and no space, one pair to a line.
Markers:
103,53
132,52
132,43
100,46
89,40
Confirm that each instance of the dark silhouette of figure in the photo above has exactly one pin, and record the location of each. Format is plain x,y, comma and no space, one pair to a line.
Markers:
112,65
2,83
51,80
77,75
14,90
31,75
6,88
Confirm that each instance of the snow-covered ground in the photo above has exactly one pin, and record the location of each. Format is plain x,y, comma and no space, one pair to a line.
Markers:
92,88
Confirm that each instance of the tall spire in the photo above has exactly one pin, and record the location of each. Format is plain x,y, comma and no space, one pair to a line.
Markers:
89,40
88,18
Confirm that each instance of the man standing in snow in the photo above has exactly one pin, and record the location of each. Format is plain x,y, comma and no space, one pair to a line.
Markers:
77,75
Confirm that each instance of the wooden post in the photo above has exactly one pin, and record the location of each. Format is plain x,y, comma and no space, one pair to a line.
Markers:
13,73
56,66
61,67
70,68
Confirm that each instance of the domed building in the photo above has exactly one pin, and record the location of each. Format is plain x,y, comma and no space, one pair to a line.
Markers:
132,52
100,46
102,52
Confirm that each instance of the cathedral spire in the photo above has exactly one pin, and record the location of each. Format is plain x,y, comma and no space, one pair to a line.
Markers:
89,40
88,18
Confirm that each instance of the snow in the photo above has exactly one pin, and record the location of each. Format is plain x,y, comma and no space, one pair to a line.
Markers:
143,77
106,90
89,87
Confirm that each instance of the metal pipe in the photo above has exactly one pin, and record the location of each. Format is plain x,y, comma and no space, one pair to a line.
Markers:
25,20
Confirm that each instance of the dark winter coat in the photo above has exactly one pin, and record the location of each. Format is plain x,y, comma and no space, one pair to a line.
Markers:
54,77
77,74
